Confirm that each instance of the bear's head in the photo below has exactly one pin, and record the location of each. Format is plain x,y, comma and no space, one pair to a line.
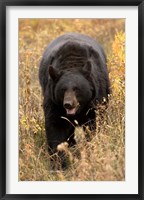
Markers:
72,88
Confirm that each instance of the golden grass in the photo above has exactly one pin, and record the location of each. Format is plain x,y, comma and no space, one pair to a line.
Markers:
102,158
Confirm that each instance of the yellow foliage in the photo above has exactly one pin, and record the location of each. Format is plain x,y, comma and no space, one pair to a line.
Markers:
116,63
102,158
118,47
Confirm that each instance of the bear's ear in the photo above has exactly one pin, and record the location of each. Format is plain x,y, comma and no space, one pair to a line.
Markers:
87,68
52,72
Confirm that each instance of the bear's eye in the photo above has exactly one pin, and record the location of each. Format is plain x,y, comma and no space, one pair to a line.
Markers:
76,89
62,90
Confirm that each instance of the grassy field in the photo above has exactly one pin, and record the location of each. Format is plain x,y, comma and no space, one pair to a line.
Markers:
102,158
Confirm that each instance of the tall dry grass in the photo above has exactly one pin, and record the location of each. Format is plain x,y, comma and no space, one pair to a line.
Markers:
103,157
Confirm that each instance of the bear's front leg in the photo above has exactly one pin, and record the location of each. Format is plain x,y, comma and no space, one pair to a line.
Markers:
58,132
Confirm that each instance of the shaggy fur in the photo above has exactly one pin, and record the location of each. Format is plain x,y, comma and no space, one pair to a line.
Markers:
74,77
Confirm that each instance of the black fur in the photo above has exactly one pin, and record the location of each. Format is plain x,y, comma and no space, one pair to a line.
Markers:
76,63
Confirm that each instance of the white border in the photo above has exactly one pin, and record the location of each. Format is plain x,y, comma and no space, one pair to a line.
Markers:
130,185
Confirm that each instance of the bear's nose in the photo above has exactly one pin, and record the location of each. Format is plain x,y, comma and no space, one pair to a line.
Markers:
68,105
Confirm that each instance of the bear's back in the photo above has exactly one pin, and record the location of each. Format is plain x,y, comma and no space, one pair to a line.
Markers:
73,44
71,50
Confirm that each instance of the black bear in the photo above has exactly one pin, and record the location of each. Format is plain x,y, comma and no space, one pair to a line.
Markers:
74,77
